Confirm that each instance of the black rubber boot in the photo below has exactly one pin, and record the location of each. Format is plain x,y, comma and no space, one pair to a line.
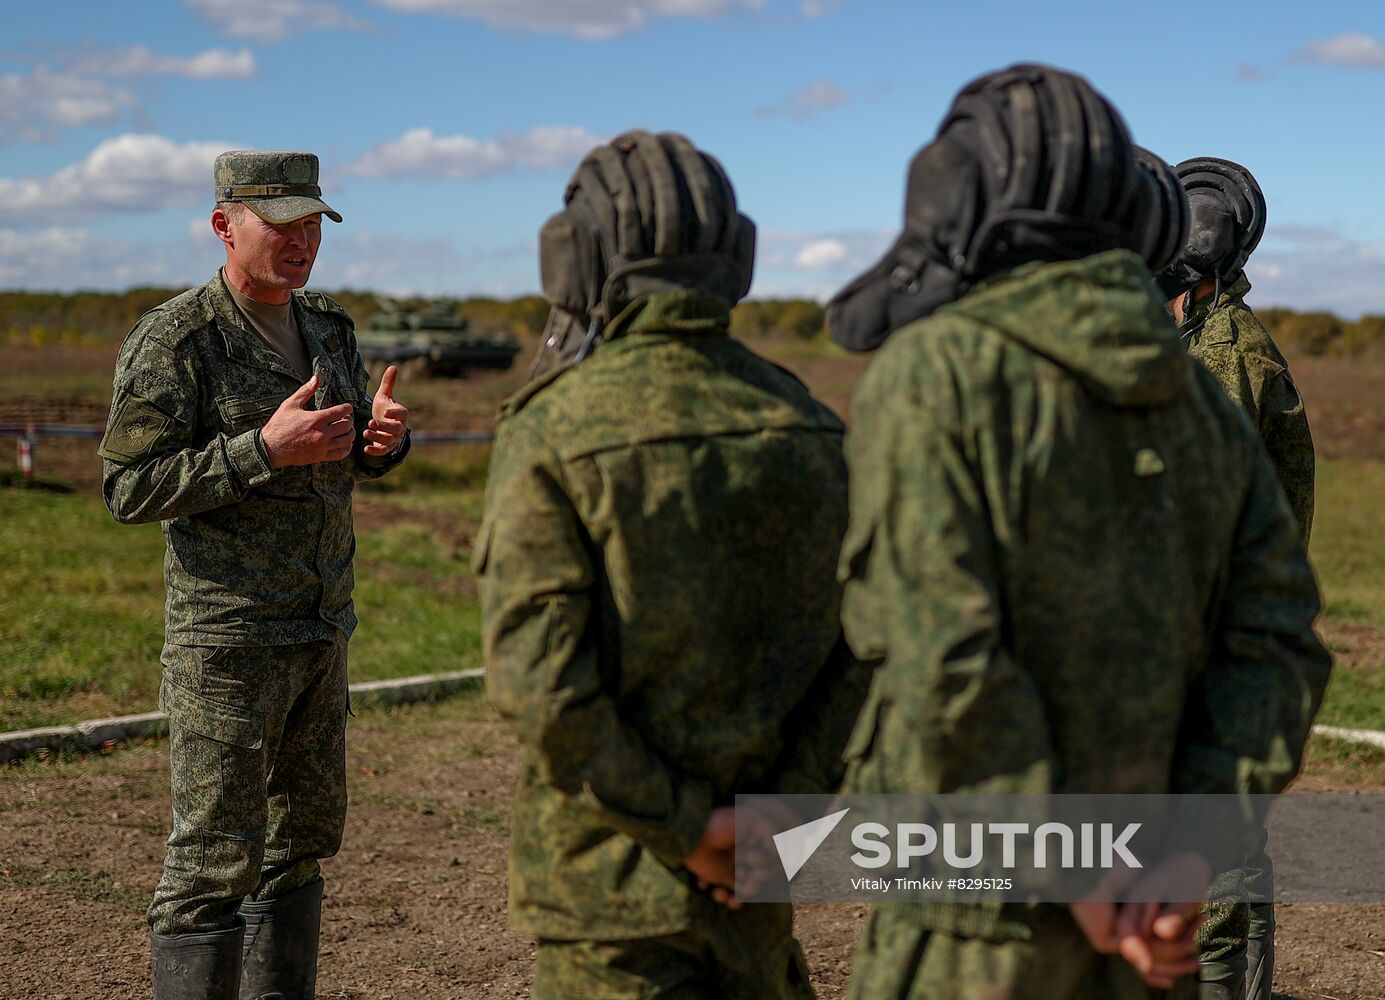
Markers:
280,954
197,966
1260,952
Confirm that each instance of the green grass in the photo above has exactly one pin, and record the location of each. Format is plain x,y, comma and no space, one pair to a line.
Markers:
81,608
1348,546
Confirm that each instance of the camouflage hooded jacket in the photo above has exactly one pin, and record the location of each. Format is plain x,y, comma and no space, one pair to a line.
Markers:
661,625
1239,351
1070,551
255,556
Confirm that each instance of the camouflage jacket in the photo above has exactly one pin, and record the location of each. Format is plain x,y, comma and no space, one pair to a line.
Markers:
660,623
1238,350
255,556
1070,550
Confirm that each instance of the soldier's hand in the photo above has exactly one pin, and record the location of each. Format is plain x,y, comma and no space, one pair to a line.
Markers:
388,419
713,861
296,435
1160,938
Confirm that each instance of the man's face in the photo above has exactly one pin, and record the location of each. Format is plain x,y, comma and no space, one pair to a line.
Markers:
273,258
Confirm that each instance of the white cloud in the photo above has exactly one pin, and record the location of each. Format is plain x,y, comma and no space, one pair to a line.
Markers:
31,104
814,265
421,153
822,255
1352,49
1313,267
579,18
139,60
273,20
1250,73
127,173
63,259
820,95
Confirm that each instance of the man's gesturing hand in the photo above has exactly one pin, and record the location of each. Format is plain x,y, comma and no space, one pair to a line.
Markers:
388,419
296,435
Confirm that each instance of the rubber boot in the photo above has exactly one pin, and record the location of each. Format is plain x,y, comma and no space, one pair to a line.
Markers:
1224,979
1260,952
280,955
197,966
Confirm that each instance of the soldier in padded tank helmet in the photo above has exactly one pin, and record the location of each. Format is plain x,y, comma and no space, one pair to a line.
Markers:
1065,543
1206,287
657,577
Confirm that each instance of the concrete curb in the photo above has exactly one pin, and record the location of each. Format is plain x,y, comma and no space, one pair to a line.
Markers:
1371,736
103,734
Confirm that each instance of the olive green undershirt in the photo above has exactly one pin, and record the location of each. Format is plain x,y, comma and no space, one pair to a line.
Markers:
276,324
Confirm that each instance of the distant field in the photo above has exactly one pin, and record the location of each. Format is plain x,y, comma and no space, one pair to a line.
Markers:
81,609
82,602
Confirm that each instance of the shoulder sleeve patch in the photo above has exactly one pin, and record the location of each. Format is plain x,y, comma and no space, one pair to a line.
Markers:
135,430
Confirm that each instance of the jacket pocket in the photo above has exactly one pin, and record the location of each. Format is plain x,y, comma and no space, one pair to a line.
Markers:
212,719
244,413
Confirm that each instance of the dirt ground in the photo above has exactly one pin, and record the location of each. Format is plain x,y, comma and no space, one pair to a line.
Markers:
416,899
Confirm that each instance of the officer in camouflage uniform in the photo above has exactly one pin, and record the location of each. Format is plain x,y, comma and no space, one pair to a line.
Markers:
241,420
656,568
1066,544
1206,287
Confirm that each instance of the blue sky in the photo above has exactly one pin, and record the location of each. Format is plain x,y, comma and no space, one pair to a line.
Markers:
447,128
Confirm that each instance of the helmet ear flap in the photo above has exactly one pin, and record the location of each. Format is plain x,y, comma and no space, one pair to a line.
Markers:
571,265
743,255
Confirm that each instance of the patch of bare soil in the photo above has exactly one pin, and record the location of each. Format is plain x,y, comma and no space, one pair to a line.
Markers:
415,904
1345,398
1354,646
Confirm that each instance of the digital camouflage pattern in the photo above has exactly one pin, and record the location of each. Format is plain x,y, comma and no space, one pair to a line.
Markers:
258,753
256,556
1012,457
1051,959
660,625
748,954
1239,351
278,186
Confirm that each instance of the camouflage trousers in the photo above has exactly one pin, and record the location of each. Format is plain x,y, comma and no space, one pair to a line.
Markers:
746,954
898,958
258,774
1231,924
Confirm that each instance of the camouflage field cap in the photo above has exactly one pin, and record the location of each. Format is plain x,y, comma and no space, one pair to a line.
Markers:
277,186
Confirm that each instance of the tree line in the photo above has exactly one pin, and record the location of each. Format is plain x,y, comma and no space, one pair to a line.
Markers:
102,318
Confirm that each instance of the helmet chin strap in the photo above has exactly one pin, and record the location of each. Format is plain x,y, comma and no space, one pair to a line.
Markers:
1188,306
590,341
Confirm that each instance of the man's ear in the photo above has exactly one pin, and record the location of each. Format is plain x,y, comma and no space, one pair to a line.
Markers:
221,225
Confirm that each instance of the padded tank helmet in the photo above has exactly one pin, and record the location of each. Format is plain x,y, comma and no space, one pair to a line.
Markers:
1030,164
644,213
1227,220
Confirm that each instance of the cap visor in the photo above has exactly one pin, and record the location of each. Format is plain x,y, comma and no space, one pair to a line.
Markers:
289,209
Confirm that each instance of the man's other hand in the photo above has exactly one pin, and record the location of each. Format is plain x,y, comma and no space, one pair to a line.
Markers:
388,419
296,435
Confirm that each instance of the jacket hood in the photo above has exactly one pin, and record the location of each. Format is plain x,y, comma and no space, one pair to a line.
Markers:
1099,317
